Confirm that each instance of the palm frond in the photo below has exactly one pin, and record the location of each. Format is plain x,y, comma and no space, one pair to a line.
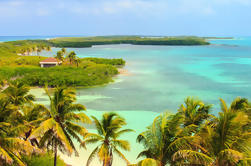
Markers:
98,125
193,157
232,155
223,105
147,162
91,138
121,132
44,127
77,128
5,156
80,117
121,155
92,155
60,134
123,144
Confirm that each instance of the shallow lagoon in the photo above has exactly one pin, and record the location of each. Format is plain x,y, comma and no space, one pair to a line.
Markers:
158,78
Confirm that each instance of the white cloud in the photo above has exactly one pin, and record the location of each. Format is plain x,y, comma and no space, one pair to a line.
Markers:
42,12
110,7
15,3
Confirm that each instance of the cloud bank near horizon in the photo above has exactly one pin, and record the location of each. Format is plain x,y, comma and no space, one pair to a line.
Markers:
106,17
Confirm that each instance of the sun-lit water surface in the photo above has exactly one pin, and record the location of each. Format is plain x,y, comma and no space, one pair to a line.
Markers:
160,77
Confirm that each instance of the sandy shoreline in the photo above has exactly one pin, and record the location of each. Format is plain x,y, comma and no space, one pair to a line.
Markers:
124,72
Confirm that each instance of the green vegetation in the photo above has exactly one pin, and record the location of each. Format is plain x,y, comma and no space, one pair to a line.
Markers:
59,125
194,137
31,133
25,47
73,72
114,62
136,40
29,129
90,74
19,60
46,159
109,131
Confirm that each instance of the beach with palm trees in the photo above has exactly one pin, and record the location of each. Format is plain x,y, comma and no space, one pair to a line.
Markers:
152,89
191,136
144,117
125,83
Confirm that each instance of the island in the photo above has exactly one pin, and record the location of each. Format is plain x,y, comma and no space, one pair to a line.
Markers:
21,61
135,40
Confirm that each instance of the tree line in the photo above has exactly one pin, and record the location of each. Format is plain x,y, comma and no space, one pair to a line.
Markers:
37,49
79,42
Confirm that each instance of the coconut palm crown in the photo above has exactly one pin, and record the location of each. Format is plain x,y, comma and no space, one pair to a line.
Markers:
59,128
109,130
225,141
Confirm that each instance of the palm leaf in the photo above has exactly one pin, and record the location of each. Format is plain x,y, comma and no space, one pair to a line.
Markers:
60,134
121,155
123,144
147,162
98,125
223,105
232,155
92,155
193,157
121,132
5,156
44,127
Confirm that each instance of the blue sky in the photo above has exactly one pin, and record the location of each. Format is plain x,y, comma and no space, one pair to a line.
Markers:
126,17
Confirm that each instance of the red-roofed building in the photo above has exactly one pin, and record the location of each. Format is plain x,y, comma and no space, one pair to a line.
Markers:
50,62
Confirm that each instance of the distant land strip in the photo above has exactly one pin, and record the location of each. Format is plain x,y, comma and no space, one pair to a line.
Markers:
79,42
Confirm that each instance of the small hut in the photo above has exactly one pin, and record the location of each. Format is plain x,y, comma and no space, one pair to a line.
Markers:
50,62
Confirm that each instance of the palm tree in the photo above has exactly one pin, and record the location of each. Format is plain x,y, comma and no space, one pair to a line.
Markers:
34,48
22,51
18,94
71,56
48,48
29,50
77,61
39,49
11,145
194,111
32,116
60,56
165,137
147,162
109,130
43,47
63,51
59,126
225,141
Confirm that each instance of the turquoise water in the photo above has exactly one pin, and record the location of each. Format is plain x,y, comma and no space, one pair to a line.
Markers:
159,78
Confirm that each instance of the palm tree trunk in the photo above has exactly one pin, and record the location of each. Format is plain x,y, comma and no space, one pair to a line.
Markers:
106,162
111,158
55,153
